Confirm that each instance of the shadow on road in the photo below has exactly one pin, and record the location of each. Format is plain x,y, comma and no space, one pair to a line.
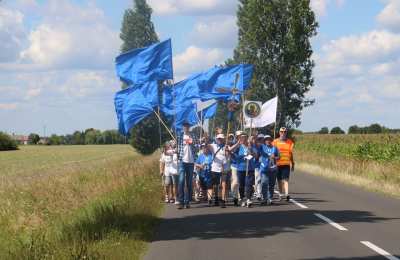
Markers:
251,224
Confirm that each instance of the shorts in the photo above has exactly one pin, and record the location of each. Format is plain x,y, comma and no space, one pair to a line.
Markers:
168,180
283,172
226,176
175,179
205,180
215,178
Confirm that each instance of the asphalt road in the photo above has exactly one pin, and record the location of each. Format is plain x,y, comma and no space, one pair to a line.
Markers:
363,225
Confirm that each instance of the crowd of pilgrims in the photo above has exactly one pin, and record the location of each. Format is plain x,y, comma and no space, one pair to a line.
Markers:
237,167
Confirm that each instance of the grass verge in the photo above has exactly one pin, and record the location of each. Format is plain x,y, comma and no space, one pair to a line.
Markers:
382,177
101,210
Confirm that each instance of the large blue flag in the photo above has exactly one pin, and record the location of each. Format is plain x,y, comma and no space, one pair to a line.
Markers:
151,63
131,107
219,82
181,94
210,111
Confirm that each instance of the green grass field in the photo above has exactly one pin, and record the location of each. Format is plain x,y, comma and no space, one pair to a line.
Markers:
368,161
64,202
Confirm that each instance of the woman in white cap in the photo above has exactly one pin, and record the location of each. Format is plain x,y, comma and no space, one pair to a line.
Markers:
217,169
245,164
268,168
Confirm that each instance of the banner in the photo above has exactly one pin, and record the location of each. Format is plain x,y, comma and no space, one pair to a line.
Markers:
151,63
267,114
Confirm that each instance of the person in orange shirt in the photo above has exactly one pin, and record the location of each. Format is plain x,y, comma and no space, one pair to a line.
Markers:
285,162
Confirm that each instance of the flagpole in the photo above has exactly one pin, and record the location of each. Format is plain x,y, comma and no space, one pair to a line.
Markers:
159,127
277,100
163,123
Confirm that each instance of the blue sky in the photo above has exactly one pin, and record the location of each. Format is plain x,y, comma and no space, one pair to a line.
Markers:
56,59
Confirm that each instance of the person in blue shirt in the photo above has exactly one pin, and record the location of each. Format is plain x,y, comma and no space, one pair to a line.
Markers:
257,173
203,167
245,162
269,156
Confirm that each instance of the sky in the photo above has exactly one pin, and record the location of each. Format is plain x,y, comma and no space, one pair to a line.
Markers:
57,59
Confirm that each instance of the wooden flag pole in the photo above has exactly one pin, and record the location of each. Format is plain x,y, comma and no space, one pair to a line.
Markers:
163,123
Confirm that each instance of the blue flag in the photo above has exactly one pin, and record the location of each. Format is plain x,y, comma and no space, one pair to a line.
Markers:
150,92
181,94
131,107
151,63
219,82
210,111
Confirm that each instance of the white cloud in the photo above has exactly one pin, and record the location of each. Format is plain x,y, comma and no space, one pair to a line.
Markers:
71,36
389,17
195,59
374,45
33,92
320,6
216,32
8,106
84,83
12,34
193,7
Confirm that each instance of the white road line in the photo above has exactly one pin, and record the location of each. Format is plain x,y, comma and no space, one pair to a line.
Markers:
299,204
379,250
330,222
295,202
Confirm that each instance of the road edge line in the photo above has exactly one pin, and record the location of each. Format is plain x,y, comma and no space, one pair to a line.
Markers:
331,222
379,250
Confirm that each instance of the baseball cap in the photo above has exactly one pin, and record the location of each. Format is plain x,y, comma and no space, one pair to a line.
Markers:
260,136
238,133
220,136
267,137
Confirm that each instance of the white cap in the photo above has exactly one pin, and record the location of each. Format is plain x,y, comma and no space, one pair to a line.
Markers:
260,136
220,136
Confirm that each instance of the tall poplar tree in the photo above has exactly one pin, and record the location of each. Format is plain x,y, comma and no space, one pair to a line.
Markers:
274,36
137,32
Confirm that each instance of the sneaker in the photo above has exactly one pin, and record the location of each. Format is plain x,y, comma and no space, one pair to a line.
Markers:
216,202
223,204
235,202
269,202
187,206
279,197
209,203
166,200
180,206
249,203
244,204
258,198
176,202
287,198
171,201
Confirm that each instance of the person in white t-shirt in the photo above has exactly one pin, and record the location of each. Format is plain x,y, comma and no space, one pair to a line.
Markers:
169,171
218,168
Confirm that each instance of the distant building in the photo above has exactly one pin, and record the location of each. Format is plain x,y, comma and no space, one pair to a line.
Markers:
21,139
43,141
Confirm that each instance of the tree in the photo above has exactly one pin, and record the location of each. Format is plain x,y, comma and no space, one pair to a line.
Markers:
54,140
375,129
324,130
138,31
7,143
337,130
33,138
274,36
354,129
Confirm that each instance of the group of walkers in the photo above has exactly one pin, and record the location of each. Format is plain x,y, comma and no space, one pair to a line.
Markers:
239,166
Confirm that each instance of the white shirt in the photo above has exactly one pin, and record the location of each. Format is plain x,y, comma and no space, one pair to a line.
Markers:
170,164
220,161
187,149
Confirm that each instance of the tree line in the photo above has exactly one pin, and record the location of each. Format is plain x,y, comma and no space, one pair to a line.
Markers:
355,129
89,136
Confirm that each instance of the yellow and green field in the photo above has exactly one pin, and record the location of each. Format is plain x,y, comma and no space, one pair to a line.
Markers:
368,161
64,202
